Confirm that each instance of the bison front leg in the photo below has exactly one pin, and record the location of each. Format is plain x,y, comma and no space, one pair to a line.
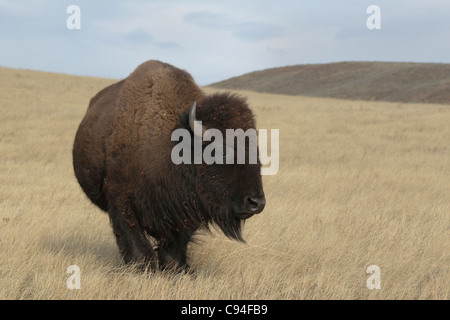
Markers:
172,254
131,240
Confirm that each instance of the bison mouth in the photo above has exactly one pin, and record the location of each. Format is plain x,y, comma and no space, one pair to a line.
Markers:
244,215
230,219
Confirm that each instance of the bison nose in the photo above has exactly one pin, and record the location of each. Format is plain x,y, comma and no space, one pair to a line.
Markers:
255,204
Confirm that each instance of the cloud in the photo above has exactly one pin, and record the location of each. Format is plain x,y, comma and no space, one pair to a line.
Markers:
257,31
138,36
276,52
142,37
23,10
207,19
252,31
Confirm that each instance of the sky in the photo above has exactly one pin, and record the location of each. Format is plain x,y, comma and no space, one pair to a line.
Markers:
215,40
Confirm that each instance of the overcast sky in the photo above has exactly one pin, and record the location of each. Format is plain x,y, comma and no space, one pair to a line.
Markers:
216,40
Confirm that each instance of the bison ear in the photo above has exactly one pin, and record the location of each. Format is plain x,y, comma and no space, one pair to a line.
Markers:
183,121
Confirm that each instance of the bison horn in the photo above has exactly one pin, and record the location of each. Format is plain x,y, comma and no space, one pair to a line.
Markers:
192,119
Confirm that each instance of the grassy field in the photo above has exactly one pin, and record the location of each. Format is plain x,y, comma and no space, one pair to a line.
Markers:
360,183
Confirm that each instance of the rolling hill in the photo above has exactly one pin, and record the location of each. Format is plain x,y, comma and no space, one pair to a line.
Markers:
377,81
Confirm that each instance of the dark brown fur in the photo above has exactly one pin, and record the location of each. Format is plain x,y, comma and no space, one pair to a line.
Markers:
122,160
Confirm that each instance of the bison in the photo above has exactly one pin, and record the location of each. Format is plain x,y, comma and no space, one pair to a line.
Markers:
122,160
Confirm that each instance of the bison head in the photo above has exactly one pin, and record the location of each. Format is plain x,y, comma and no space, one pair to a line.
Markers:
230,189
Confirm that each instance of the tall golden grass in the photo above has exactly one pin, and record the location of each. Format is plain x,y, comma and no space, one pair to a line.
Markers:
359,184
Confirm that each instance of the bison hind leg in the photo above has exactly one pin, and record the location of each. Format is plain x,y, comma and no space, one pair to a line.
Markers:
139,255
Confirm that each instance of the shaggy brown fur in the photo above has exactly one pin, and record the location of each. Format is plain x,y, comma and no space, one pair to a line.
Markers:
122,160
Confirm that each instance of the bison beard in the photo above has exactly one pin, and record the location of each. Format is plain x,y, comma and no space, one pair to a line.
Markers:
121,158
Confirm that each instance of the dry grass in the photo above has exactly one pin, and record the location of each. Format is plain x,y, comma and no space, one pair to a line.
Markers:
360,183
